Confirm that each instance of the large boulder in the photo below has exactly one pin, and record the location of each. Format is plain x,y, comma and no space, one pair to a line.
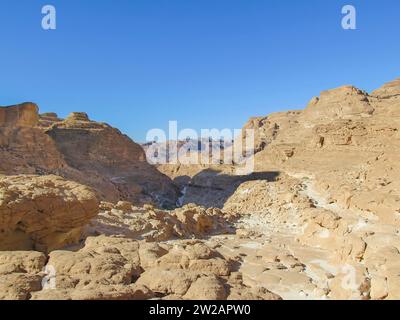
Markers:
152,224
21,274
43,212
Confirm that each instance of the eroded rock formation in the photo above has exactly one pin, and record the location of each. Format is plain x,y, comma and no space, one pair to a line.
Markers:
22,115
43,212
153,224
81,150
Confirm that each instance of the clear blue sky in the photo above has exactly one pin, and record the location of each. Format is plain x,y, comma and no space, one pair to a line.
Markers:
137,64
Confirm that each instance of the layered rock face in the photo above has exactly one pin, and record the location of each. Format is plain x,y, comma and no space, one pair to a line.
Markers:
22,115
81,150
111,162
389,90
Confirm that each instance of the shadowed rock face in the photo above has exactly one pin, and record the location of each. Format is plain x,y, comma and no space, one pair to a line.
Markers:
117,163
81,150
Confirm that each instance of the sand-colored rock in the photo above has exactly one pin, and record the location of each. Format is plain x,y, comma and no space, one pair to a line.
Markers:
108,268
22,115
388,90
43,212
19,286
342,102
46,120
21,274
336,192
206,288
168,281
81,150
21,262
107,292
154,224
103,261
110,161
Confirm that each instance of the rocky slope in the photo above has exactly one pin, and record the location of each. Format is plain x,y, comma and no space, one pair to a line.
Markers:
331,201
133,253
81,150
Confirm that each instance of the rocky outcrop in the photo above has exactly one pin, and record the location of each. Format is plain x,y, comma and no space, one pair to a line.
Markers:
22,115
347,140
125,269
389,90
342,102
152,224
43,212
20,274
46,120
111,162
81,150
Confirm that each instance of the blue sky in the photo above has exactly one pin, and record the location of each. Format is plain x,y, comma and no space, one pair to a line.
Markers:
137,64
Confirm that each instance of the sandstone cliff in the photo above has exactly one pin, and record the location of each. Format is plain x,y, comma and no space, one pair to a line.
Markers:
81,150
